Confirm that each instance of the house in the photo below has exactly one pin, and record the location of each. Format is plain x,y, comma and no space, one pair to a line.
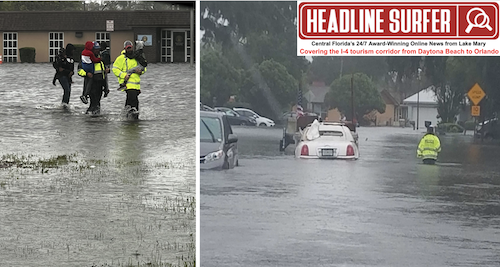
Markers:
315,97
423,105
394,113
169,34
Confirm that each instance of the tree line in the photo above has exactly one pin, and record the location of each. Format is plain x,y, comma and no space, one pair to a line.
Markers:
248,50
101,5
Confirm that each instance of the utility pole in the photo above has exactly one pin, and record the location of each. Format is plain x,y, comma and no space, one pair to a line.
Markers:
418,93
352,102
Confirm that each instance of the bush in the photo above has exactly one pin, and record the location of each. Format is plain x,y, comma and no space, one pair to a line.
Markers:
450,127
27,54
469,125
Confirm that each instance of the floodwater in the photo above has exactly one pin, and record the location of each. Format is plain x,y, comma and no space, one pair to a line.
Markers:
77,190
385,209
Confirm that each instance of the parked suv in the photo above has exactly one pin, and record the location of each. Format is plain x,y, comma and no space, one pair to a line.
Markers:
218,143
491,129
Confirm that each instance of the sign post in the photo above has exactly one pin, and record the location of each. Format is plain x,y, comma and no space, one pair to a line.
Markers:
476,94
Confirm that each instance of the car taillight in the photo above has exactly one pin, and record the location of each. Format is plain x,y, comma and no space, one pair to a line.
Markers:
304,151
350,150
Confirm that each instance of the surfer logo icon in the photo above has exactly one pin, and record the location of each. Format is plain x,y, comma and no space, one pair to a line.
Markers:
484,23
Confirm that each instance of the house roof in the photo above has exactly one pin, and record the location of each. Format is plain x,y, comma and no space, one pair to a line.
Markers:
91,20
316,93
425,96
389,98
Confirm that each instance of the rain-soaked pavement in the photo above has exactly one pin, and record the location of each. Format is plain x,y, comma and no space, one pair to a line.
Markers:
97,191
385,209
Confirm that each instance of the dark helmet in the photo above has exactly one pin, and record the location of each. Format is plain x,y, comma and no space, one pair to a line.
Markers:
430,129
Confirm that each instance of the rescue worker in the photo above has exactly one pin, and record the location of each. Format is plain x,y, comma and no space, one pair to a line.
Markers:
429,147
124,62
98,82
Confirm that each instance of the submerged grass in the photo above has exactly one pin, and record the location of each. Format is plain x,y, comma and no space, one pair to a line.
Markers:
71,176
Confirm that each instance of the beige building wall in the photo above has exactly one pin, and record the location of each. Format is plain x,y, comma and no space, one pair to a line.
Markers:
333,115
40,41
386,118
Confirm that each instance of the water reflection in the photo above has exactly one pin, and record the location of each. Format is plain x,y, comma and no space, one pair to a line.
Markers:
104,190
385,209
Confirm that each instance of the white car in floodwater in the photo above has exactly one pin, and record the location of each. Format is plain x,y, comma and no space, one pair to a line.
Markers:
327,140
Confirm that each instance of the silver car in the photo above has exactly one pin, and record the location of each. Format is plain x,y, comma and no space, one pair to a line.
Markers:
218,143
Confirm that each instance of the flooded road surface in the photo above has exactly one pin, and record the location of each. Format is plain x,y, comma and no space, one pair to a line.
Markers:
385,209
97,191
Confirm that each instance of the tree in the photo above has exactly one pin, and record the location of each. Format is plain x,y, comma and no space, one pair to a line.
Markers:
366,96
41,5
446,74
218,78
403,75
251,33
327,69
281,86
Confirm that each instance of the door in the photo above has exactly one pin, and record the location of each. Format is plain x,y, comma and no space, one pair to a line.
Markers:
179,46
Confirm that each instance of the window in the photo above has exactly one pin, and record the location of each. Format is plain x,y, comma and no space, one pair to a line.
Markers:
166,46
210,130
56,42
188,46
102,37
9,47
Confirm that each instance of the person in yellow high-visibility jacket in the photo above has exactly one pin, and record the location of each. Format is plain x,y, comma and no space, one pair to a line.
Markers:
429,147
122,64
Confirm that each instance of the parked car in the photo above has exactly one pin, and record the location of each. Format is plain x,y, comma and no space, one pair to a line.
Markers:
261,121
218,143
327,140
205,107
491,129
235,118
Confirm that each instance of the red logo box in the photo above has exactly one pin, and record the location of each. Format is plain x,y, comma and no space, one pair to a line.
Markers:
398,20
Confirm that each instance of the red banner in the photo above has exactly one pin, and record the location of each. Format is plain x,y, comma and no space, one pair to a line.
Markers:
398,20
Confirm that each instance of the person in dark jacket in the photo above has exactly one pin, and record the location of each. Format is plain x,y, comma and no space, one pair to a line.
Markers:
65,65
106,59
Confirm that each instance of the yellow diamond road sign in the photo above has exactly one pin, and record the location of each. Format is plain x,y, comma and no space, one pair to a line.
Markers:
476,94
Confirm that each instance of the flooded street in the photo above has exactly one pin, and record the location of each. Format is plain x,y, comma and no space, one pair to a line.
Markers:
77,190
385,209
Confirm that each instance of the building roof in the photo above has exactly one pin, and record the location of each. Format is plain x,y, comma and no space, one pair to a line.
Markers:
316,93
425,96
388,97
91,20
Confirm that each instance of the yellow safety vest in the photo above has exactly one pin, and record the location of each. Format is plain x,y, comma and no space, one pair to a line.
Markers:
429,147
120,67
98,69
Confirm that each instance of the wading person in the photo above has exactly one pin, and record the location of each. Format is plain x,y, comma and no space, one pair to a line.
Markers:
88,60
139,56
98,84
123,63
64,65
106,59
429,147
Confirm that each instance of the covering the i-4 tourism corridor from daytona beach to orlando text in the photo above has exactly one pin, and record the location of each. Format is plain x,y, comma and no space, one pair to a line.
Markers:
461,28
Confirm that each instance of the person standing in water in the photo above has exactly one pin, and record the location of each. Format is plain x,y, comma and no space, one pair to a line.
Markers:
65,66
429,146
